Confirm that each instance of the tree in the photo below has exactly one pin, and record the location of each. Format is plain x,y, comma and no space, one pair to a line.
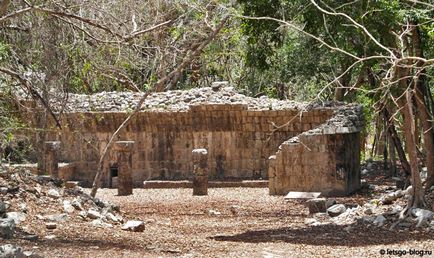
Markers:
377,46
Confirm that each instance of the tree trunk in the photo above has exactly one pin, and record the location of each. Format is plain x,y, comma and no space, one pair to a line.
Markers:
406,109
393,135
4,4
423,107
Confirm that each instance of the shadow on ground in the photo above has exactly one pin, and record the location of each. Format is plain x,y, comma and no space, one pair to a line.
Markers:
330,235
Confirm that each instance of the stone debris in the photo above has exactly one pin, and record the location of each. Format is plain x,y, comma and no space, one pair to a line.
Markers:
51,225
379,220
134,225
17,217
422,216
53,193
302,195
336,210
100,224
67,207
27,195
11,251
7,228
316,205
93,214
391,197
214,212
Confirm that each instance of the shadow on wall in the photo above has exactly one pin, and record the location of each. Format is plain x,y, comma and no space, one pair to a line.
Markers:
330,235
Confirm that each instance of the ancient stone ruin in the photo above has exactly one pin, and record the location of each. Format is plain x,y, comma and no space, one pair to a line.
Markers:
296,146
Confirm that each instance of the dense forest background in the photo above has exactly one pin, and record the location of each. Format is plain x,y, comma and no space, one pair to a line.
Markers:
377,53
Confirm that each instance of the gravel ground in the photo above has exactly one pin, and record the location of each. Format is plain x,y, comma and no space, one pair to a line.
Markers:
230,222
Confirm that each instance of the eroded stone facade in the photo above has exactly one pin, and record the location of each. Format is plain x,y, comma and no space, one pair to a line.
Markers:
238,132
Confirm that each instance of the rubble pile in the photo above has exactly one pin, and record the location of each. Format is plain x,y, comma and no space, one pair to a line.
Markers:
34,207
383,210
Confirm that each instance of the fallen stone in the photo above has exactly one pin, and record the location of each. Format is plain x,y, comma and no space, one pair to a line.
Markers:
310,221
55,217
134,225
71,184
11,251
110,216
391,197
7,228
100,224
30,237
22,207
214,212
51,225
408,190
423,216
302,195
18,217
316,205
50,237
2,208
336,210
379,220
93,214
53,193
67,207
76,203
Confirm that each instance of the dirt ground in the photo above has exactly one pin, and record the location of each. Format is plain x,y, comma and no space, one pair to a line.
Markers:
229,222
250,224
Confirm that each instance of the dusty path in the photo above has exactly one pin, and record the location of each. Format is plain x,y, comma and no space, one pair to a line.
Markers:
250,224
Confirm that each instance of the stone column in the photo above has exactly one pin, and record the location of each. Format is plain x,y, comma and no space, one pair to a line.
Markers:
51,159
123,150
200,172
272,175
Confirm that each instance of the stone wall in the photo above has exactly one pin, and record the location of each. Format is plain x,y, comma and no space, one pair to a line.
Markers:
239,133
325,159
239,141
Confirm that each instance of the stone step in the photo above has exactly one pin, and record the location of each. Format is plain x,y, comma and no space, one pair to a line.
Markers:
159,184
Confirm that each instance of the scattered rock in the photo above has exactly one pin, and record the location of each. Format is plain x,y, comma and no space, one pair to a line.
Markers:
101,224
51,225
311,222
214,212
423,216
82,214
7,228
391,197
11,251
55,217
76,203
50,237
379,220
22,207
134,225
3,208
316,205
67,207
30,237
336,210
110,216
53,193
93,214
18,217
71,184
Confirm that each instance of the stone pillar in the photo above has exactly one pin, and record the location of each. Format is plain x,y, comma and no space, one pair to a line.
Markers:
51,159
272,175
200,172
123,150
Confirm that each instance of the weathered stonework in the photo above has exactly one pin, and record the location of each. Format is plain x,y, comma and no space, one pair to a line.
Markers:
200,172
238,132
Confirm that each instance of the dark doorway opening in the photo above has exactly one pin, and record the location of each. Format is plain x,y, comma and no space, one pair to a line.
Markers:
113,176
